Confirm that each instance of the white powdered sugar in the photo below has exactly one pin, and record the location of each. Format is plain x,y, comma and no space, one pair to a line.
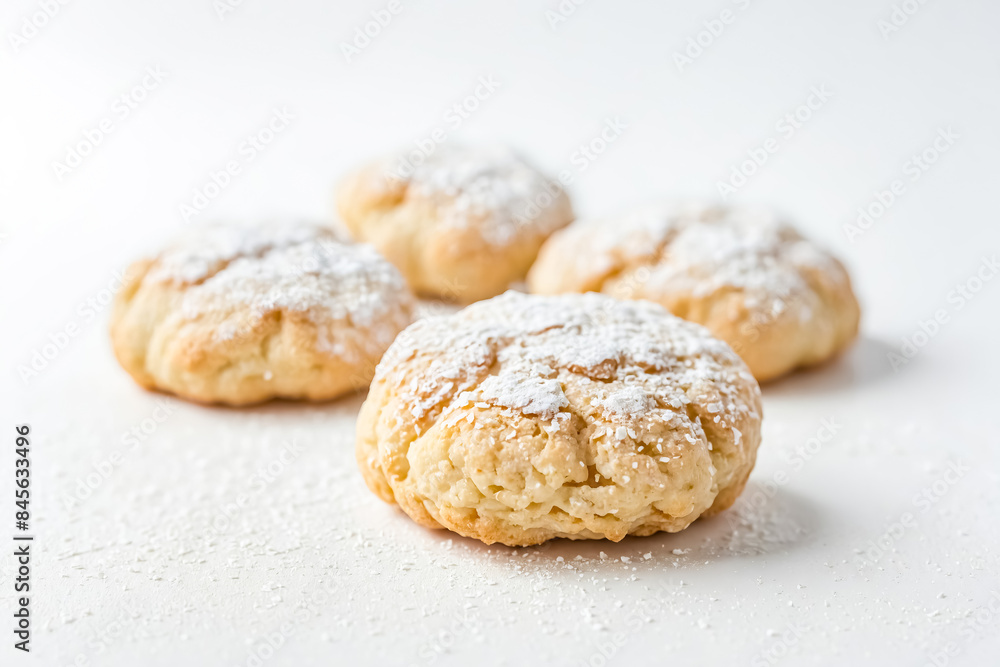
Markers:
711,253
626,401
699,250
492,190
518,351
520,391
205,250
292,267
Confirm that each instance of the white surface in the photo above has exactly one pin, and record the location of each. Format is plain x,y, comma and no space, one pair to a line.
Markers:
134,574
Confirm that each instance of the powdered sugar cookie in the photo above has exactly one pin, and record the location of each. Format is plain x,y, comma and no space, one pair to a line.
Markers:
524,418
778,299
243,314
462,225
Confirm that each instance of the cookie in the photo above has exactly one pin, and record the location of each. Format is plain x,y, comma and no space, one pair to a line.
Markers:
779,300
524,418
462,225
243,314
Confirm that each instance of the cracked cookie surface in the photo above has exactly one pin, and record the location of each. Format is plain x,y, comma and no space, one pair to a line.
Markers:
524,418
242,314
461,224
779,300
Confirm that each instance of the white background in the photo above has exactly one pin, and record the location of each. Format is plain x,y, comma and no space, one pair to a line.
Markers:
151,568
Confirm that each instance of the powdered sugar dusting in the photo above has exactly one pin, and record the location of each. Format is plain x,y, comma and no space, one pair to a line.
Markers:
491,189
205,250
698,249
297,268
626,401
732,249
515,351
532,396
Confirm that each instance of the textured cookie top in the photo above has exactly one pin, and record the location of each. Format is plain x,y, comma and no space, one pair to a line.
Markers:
294,267
524,353
206,250
492,189
524,418
693,248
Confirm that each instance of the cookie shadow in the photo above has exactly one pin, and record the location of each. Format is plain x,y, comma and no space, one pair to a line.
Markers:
346,404
765,520
864,363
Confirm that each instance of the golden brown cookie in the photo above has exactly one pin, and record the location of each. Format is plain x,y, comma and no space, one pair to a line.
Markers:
242,314
778,299
524,418
462,225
